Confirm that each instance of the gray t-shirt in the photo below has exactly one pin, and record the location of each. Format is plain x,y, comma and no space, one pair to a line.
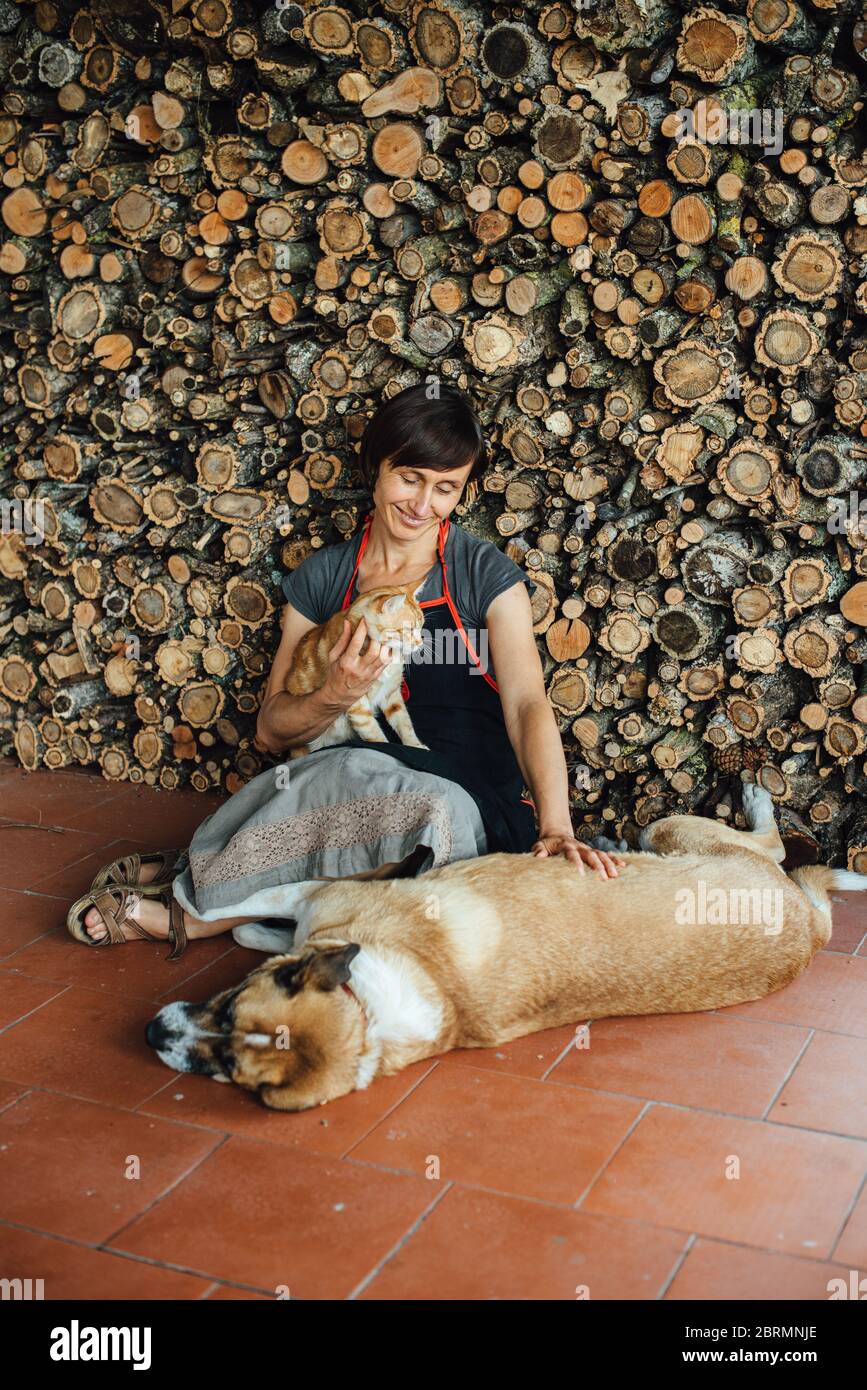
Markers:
477,571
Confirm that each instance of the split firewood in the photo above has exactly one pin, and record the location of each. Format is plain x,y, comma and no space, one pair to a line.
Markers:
634,234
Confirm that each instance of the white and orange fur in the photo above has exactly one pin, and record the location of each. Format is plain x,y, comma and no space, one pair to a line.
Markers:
392,616
374,979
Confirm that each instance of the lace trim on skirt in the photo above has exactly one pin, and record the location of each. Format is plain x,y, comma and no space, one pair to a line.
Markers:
367,818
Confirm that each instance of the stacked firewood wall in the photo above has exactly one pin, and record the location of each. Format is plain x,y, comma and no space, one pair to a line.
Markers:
634,231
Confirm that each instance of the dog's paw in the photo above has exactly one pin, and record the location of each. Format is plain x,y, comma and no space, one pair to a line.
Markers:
256,937
758,806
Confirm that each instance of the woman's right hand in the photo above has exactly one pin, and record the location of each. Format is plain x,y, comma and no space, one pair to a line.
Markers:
350,675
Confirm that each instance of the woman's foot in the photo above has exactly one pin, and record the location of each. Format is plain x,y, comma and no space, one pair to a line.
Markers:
153,916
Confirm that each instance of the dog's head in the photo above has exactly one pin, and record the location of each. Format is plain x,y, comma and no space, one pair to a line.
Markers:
292,1031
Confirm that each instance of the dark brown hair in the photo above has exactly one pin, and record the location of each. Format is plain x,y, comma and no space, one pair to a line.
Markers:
414,431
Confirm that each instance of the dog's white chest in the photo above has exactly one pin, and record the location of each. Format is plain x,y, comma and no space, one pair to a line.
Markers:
398,1012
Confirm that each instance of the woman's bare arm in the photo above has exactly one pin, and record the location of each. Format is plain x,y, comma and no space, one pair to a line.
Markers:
532,728
288,721
529,719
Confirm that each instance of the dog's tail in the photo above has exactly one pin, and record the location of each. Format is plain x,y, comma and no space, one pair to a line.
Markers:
815,880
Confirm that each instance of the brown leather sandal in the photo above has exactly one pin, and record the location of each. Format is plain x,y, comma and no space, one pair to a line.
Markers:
114,904
125,872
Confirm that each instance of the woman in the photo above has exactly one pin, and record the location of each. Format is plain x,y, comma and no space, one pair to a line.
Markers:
477,701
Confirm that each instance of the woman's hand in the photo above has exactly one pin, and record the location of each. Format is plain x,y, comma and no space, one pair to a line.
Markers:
350,675
578,853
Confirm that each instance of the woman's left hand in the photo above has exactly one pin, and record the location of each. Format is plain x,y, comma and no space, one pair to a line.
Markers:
579,853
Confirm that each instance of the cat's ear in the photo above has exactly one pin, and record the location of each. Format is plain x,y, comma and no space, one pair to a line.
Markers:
393,603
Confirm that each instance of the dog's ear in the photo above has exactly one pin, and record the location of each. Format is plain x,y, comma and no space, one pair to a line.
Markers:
324,968
289,975
330,966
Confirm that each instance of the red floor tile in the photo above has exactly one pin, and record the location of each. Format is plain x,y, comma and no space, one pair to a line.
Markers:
72,880
831,995
479,1245
328,1130
532,1055
560,1168
20,997
52,798
714,1271
828,1089
792,1194
703,1060
30,855
24,917
310,1225
84,1043
517,1136
10,1093
71,1271
849,916
138,968
83,1153
160,819
851,1248
222,1293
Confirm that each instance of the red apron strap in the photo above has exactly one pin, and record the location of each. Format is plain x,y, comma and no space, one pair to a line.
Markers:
348,594
460,627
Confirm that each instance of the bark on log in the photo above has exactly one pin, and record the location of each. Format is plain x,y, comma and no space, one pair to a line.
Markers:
226,232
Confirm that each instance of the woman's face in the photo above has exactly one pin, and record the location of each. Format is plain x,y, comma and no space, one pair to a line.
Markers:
412,501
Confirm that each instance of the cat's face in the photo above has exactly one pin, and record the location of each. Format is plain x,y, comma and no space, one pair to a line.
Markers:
394,618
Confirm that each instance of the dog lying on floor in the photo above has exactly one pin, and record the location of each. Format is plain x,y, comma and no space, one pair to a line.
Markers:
484,950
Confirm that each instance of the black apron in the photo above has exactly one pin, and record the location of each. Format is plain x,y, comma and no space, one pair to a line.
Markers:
459,715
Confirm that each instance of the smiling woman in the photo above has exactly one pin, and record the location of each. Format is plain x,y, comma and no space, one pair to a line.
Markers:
476,698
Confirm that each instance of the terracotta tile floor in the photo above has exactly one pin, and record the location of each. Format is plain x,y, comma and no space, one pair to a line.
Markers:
524,1173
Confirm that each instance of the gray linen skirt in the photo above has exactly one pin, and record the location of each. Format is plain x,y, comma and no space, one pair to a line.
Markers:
337,812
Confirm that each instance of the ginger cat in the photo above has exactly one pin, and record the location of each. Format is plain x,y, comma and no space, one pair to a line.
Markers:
394,618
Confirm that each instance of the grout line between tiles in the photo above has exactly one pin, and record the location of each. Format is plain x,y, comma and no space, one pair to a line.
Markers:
614,1152
134,1258
390,1111
398,1245
566,1050
4,960
759,1249
15,1022
788,1076
182,1177
650,1226
32,893
676,1268
847,1214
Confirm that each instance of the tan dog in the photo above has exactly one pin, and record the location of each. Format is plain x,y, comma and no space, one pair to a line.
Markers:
478,952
